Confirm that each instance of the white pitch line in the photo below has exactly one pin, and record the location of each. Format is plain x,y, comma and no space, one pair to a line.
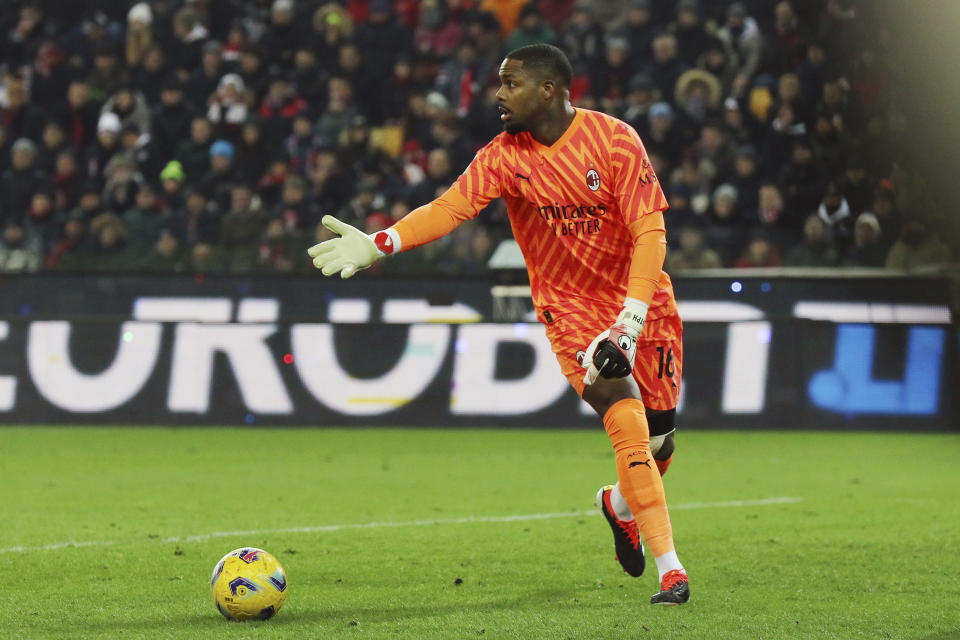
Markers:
409,523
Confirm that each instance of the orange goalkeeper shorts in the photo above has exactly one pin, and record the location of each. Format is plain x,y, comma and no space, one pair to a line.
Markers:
659,363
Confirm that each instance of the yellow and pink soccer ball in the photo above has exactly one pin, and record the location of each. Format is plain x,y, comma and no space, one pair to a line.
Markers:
248,584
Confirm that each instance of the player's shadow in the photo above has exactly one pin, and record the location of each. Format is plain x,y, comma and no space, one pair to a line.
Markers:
367,615
332,617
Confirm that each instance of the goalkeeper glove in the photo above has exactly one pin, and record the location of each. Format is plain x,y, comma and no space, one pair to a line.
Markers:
353,251
611,354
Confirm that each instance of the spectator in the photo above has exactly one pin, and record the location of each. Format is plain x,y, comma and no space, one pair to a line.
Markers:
855,184
171,186
692,253
351,67
725,224
53,140
835,214
801,183
204,80
80,115
25,35
867,249
278,108
193,154
439,32
664,138
145,220
107,76
20,181
785,45
243,226
122,181
91,202
280,248
759,253
339,112
197,222
531,29
332,26
692,38
66,181
310,78
383,38
252,69
284,33
221,174
190,35
665,66
66,252
743,39
21,249
50,77
130,106
150,76
165,256
639,29
105,147
295,209
40,215
171,120
109,251
330,185
746,179
817,248
917,247
640,97
611,84
21,118
584,40
885,208
139,36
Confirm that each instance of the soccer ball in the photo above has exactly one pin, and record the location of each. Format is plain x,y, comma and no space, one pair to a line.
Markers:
248,584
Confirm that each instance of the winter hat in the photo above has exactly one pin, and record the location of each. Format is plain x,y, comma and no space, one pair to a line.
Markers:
109,123
140,12
221,148
173,171
660,110
231,78
25,144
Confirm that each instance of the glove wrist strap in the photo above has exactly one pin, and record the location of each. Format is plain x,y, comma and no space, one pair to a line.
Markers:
634,315
386,241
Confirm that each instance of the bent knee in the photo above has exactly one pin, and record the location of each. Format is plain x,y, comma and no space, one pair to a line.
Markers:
662,429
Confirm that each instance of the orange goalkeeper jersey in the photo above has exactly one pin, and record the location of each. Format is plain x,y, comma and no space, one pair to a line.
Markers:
580,212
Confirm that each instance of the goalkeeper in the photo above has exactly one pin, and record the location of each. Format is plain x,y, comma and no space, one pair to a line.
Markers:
586,209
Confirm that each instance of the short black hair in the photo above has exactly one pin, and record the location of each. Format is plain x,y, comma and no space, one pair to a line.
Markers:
547,59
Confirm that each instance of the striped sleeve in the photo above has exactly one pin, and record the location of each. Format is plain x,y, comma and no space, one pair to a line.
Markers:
470,193
639,195
638,191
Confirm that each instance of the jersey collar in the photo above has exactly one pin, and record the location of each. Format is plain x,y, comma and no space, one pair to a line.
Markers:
562,140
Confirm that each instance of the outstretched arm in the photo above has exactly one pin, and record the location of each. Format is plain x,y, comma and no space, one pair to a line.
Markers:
355,250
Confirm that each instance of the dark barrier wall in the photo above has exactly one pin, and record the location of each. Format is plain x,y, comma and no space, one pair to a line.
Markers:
779,352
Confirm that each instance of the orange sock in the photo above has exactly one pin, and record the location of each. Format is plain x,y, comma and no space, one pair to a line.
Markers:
640,483
663,465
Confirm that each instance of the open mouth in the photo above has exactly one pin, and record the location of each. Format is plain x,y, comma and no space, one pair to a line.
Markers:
504,113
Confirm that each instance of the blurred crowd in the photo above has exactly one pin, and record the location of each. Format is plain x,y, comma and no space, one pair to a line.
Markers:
212,135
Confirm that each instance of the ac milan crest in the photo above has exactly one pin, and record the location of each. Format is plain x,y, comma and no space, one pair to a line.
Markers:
593,180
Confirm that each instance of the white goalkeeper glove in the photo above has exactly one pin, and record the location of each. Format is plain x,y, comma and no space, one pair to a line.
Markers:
611,354
353,251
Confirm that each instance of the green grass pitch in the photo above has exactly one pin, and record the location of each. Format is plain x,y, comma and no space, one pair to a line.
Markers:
113,533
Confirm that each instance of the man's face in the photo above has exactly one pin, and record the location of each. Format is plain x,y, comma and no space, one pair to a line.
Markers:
521,98
22,159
